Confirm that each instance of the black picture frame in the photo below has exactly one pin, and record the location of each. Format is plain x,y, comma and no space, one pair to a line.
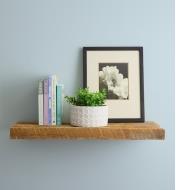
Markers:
141,117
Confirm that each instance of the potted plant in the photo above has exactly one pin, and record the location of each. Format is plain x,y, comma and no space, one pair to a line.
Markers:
88,109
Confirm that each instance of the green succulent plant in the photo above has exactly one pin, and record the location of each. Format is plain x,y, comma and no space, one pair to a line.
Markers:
86,98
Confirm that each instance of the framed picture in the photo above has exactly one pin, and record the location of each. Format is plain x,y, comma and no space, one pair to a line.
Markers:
118,70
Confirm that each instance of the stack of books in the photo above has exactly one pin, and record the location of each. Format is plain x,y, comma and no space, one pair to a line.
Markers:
50,101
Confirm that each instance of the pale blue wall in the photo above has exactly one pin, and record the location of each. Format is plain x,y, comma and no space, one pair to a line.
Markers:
39,37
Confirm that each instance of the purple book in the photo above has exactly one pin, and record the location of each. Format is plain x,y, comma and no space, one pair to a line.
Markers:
50,100
45,102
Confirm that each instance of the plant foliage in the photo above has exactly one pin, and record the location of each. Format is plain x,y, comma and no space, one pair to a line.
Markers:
86,98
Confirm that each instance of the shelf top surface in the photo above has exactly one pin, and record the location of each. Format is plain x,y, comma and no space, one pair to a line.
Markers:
148,124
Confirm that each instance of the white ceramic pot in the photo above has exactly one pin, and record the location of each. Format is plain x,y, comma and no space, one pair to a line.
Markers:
89,116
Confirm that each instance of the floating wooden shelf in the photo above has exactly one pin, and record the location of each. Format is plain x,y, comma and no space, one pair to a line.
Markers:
116,131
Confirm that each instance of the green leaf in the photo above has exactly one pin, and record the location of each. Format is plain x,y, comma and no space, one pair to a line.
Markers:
86,98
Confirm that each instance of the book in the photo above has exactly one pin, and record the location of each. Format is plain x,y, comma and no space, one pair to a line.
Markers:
49,100
40,103
53,100
45,102
59,103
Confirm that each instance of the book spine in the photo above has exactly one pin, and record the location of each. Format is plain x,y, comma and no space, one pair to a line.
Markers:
49,100
59,107
40,103
53,107
45,102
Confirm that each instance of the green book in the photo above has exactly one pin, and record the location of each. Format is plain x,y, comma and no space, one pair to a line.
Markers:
59,103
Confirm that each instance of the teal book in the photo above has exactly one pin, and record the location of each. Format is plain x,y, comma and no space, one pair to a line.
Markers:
59,103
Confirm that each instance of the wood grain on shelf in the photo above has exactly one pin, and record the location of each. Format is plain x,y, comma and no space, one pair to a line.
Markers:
115,131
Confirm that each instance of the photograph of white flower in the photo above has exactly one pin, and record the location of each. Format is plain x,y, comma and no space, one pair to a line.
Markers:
119,72
113,77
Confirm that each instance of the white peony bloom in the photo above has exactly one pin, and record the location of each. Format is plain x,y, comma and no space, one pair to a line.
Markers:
101,74
111,88
114,81
116,91
124,85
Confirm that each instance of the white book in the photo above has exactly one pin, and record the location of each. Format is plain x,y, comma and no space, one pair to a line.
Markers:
53,100
40,103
